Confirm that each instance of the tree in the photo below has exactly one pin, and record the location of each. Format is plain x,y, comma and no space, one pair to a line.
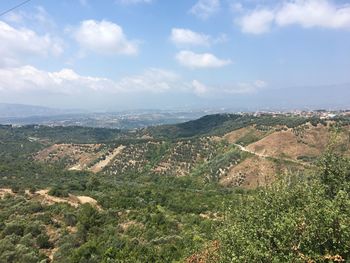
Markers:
297,219
43,241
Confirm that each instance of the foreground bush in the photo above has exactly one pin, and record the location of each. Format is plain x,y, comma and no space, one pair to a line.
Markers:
297,219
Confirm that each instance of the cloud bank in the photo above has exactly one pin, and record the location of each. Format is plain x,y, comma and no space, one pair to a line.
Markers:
304,13
18,42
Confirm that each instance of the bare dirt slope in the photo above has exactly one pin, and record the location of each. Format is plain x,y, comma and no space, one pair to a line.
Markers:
256,171
43,197
103,163
291,144
250,173
5,191
93,157
73,200
244,134
76,156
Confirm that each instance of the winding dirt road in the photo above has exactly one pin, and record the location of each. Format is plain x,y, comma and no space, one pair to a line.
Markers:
244,149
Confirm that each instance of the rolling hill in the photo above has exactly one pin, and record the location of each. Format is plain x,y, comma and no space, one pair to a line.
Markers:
172,193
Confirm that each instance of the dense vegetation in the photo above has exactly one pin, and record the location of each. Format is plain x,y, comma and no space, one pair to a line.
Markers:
219,124
144,216
297,219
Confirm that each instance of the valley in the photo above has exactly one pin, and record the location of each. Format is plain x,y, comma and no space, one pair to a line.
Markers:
154,131
156,194
272,150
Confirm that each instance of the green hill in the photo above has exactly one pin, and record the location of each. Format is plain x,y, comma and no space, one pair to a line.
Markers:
209,190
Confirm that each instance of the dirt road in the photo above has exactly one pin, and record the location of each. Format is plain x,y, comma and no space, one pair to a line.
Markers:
244,149
103,163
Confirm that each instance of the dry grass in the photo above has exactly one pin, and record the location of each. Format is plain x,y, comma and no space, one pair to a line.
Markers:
236,135
312,142
43,197
79,155
250,173
103,163
5,191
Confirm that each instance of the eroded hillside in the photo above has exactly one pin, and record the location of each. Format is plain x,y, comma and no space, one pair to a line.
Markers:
148,195
232,155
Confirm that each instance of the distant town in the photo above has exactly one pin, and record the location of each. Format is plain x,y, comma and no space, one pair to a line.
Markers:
144,118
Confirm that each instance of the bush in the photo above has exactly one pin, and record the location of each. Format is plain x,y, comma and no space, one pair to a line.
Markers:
70,219
297,219
57,191
33,229
14,228
43,241
32,189
15,189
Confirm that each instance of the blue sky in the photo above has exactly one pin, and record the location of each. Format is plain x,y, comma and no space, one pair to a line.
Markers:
127,54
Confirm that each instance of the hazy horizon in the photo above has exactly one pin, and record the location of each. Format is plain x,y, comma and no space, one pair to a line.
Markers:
151,54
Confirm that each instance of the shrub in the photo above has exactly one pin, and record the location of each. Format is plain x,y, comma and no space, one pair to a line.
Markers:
57,191
43,241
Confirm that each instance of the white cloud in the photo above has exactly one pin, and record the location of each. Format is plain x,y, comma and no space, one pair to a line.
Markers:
205,8
19,43
199,88
257,22
181,36
66,81
38,18
305,13
28,80
186,37
200,60
104,37
314,13
132,2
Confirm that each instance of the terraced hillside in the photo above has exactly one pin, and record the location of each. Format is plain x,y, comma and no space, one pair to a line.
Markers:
161,194
223,151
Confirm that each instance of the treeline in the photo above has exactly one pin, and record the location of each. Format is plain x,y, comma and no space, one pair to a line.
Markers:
219,124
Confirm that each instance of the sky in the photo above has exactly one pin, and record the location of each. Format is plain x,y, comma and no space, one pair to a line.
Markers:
164,54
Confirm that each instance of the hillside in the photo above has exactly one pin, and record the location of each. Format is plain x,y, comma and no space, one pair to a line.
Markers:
75,194
241,157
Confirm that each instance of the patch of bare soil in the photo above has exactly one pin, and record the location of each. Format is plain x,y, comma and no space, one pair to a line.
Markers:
53,237
87,200
5,191
76,156
162,167
291,144
236,135
233,136
51,253
210,215
103,163
124,226
250,173
75,201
